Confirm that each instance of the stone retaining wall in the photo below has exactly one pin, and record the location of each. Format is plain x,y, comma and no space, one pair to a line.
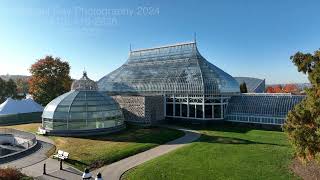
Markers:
144,110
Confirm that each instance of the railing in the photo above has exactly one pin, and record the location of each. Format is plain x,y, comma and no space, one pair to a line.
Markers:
28,138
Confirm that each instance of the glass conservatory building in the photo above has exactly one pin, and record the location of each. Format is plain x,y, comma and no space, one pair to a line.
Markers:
184,85
191,87
82,110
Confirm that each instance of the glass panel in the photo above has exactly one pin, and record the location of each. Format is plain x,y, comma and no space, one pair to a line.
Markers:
217,111
199,111
78,115
177,110
184,110
169,109
192,110
208,111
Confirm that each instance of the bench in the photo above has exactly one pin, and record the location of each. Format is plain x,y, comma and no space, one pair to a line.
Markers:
41,131
61,155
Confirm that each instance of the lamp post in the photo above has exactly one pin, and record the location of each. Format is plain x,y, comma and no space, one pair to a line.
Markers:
60,164
44,169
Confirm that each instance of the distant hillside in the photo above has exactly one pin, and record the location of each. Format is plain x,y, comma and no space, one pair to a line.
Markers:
14,77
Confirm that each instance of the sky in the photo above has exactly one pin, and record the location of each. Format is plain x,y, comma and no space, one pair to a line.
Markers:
242,37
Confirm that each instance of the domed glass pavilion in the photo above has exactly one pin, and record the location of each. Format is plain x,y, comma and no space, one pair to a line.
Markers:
82,110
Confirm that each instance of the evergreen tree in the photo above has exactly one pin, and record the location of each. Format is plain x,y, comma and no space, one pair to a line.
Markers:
243,88
10,89
2,90
303,122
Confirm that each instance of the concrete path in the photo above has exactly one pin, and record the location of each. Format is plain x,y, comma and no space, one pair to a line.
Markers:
37,155
68,173
32,165
52,165
115,170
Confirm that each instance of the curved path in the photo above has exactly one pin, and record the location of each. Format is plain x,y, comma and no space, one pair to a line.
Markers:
32,165
35,156
115,170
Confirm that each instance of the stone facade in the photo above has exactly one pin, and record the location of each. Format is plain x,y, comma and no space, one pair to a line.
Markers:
145,110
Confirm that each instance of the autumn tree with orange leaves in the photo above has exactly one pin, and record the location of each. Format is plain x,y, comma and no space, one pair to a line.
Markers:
50,78
290,88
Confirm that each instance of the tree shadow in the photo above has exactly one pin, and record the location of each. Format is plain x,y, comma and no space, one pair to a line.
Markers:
76,162
230,140
137,134
223,126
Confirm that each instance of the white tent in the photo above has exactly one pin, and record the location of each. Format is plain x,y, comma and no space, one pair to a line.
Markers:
11,106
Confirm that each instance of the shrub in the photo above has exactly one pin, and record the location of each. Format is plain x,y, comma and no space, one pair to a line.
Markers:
303,122
12,174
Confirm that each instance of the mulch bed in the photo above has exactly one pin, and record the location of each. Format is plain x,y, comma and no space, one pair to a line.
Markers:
307,171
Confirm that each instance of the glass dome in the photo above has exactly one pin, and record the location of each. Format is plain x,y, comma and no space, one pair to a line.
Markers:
79,110
84,83
82,109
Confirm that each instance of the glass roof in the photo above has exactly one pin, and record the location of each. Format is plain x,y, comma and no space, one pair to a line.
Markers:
253,84
262,104
84,83
174,69
79,101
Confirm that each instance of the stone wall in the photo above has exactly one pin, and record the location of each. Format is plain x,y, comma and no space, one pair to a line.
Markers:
145,110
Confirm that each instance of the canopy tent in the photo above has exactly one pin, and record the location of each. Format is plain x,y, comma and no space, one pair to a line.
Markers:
11,106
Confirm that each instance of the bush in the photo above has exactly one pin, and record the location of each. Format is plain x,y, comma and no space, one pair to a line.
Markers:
12,174
303,122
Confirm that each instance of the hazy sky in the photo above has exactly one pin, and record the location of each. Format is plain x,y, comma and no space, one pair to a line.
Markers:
242,37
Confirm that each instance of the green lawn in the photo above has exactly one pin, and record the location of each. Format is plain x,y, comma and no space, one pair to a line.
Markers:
32,127
97,151
223,152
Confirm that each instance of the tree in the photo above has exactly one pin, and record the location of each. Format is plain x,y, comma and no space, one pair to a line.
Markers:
303,122
277,89
50,78
269,89
243,88
11,88
2,90
290,88
22,86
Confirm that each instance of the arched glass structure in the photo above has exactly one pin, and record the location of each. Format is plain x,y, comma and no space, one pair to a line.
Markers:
83,108
174,69
192,87
261,108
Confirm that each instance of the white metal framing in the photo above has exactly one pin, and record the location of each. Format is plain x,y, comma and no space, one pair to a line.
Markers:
188,100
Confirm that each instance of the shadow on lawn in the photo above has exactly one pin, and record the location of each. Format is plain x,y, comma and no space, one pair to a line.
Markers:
229,140
213,126
224,126
139,134
76,163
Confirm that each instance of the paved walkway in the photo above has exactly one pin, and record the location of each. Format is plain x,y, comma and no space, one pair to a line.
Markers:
37,155
68,173
52,165
115,170
33,164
